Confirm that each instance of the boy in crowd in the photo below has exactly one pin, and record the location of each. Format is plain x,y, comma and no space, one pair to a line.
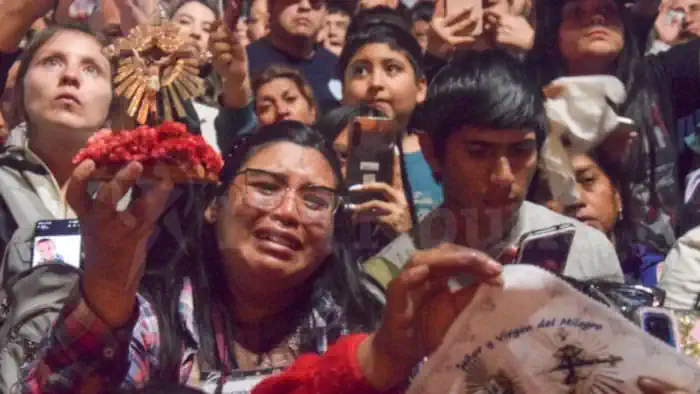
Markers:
487,123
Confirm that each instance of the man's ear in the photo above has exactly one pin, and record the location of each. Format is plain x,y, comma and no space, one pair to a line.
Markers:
428,149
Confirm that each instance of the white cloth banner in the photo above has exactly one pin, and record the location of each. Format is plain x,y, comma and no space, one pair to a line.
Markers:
539,335
582,113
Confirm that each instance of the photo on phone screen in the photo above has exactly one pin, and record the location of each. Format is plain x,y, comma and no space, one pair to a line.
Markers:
547,248
371,155
57,241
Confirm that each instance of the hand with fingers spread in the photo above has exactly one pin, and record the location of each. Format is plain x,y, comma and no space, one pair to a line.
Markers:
230,59
655,386
391,213
420,309
114,242
511,31
446,34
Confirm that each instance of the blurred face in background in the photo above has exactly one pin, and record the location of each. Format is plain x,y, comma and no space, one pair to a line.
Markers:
691,17
336,29
599,202
591,33
282,99
258,20
195,21
297,19
420,32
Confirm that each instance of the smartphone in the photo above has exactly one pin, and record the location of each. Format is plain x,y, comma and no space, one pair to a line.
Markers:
547,248
371,154
57,241
453,7
660,323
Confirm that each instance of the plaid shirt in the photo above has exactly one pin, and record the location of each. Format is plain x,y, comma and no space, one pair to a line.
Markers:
83,355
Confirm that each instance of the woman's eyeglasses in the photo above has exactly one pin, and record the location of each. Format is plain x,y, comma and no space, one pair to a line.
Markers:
267,190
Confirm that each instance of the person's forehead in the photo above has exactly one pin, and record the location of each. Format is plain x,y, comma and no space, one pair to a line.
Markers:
195,9
292,160
74,43
495,136
380,50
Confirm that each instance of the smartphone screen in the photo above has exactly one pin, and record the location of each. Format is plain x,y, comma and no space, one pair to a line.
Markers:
371,155
57,241
547,248
660,325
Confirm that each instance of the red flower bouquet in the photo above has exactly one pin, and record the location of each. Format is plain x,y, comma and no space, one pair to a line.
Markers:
165,150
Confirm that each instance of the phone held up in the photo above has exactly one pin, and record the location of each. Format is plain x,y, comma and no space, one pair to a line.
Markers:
371,155
454,7
57,241
547,248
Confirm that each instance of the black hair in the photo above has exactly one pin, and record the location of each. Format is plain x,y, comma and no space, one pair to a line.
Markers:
381,25
422,11
333,122
340,7
547,63
195,255
489,89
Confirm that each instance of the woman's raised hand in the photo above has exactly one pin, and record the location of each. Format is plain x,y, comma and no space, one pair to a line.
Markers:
230,59
420,309
114,241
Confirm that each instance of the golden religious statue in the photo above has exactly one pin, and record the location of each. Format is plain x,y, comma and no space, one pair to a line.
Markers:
157,70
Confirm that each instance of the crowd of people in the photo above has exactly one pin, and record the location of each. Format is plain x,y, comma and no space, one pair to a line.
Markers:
510,116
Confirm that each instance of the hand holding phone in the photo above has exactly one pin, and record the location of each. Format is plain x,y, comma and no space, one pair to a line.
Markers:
547,248
371,155
57,242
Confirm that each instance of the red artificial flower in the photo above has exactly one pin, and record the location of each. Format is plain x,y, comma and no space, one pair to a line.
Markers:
169,141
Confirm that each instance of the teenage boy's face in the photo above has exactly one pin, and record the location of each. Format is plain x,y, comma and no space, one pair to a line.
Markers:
485,171
383,78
